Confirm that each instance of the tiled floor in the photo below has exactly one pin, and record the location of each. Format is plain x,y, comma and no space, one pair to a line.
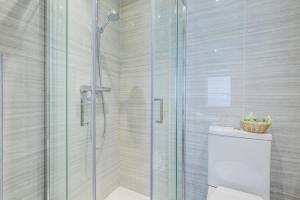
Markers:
125,194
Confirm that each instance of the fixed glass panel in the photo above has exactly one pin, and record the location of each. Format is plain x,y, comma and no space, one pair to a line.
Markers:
69,65
80,100
108,158
22,43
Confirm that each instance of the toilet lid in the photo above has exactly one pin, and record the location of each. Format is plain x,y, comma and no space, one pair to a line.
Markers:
222,193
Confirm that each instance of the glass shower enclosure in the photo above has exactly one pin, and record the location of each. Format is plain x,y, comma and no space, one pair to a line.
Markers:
98,110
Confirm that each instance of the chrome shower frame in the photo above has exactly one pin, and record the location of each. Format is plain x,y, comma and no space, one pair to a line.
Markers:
95,62
1,126
184,100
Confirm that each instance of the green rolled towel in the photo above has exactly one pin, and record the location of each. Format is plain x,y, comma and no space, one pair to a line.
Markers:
268,120
250,118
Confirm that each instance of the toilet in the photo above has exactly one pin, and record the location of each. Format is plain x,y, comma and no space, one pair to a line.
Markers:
238,164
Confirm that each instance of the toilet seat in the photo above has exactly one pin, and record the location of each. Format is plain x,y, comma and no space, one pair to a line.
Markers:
223,193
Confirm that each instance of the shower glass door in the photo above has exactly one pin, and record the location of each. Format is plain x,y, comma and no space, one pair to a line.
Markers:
167,93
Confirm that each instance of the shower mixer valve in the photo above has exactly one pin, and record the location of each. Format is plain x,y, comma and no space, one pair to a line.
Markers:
85,100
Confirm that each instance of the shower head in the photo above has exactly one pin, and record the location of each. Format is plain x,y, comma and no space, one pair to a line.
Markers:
113,16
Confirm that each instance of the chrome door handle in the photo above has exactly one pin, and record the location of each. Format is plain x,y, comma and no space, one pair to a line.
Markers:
83,104
161,110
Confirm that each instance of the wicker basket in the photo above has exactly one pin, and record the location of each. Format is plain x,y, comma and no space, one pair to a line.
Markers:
255,127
